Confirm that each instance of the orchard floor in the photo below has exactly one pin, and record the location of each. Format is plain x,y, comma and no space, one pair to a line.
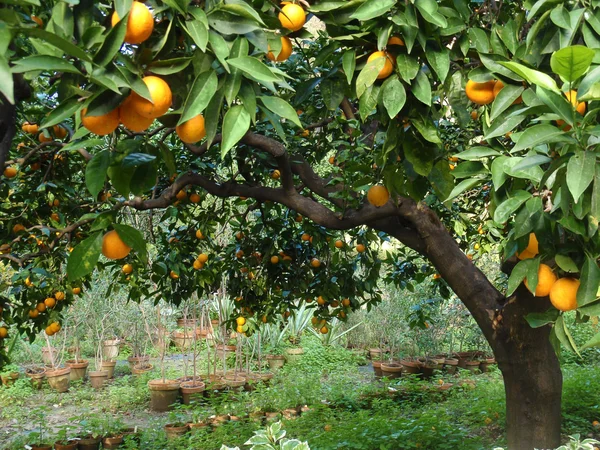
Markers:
348,409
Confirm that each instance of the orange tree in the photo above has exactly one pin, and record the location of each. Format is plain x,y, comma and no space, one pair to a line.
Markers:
207,136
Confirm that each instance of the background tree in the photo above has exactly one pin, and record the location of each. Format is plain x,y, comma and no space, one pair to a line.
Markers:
291,180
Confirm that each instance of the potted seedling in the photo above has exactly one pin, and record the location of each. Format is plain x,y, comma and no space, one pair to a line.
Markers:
92,429
192,389
40,436
65,439
274,337
9,374
177,425
139,340
163,392
297,323
112,431
58,377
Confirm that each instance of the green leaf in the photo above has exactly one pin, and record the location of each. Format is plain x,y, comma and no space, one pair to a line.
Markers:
593,342
43,63
509,206
136,159
282,108
532,76
429,12
242,9
332,92
103,221
557,103
235,125
427,129
213,116
394,96
349,64
440,61
566,263
407,66
499,176
572,62
134,239
6,80
590,280
588,83
521,271
57,41
201,93
477,153
77,145
532,160
539,134
198,31
169,66
420,157
372,8
65,110
95,172
503,124
368,75
463,186
254,68
84,257
219,47
564,336
422,89
580,172
441,179
505,99
537,320
112,43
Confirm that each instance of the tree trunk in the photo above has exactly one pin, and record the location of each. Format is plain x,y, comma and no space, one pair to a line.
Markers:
532,376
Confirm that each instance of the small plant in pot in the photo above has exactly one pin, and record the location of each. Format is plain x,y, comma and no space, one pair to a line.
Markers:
39,438
92,429
274,334
10,373
297,323
58,377
177,425
139,341
65,438
77,365
112,431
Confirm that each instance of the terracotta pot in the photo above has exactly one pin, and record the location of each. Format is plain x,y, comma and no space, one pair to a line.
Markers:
252,379
290,413
163,394
215,321
445,386
391,370
186,323
141,368
472,366
227,349
66,445
427,370
294,354
271,416
40,447
214,384
112,441
133,432
219,420
46,355
8,380
377,368
256,416
36,375
463,357
266,377
195,426
439,362
183,340
411,367
89,443
98,378
78,369
58,379
109,366
134,360
175,430
235,383
275,361
375,353
190,378
192,391
110,349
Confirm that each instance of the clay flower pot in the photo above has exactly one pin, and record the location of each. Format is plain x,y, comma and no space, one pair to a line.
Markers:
175,430
98,378
89,443
294,354
110,349
163,394
377,368
66,445
183,339
78,369
36,375
375,353
186,323
40,447
472,366
451,365
290,413
109,366
112,441
192,391
48,355
271,416
134,360
391,370
8,380
58,379
141,368
411,367
235,383
275,361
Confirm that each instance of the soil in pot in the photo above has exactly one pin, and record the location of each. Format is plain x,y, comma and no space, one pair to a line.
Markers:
275,361
109,366
36,375
134,360
163,394
78,369
66,445
58,379
192,391
293,355
9,380
98,378
141,368
112,441
391,370
175,430
89,443
377,368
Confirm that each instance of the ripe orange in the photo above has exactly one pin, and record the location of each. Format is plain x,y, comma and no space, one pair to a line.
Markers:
42,137
332,160
292,17
531,250
324,330
181,195
33,313
314,320
3,332
342,314
305,237
199,234
480,93
284,53
239,253
37,20
59,132
339,243
395,40
173,275
309,300
203,257
264,319
50,302
315,263
17,228
139,25
579,107
127,269
113,246
101,125
346,302
388,67
10,172
335,304
49,331
498,86
474,115
276,174
130,117
59,296
197,265
563,294
76,290
240,320
239,235
378,195
274,259
161,95
239,329
41,307
546,279
320,300
194,198
191,131
55,326
360,248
